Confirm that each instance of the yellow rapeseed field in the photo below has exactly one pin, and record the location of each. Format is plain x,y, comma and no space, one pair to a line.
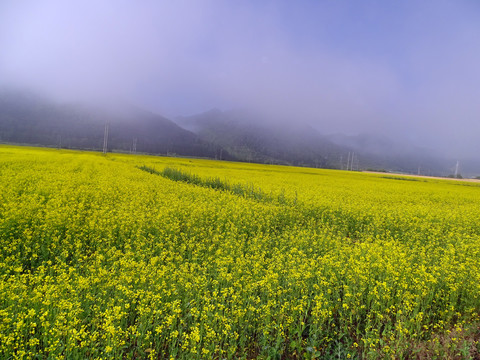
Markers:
102,257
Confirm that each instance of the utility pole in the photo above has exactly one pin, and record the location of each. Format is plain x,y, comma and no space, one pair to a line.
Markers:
134,148
105,138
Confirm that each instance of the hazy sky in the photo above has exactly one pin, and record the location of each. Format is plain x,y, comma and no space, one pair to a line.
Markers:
401,68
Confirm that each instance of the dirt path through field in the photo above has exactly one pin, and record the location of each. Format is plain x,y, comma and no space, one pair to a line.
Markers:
420,176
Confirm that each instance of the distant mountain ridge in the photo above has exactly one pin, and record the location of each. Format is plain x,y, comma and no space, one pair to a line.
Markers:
249,138
31,119
380,152
27,118
294,143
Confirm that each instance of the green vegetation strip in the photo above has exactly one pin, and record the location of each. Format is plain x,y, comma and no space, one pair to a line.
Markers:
245,190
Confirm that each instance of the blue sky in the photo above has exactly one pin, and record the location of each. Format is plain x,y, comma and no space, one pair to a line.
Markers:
401,68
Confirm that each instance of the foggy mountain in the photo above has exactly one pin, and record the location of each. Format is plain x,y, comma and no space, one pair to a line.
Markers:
250,138
381,152
28,118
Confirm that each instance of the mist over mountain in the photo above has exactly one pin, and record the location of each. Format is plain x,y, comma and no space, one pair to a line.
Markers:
28,118
239,135
400,155
249,137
